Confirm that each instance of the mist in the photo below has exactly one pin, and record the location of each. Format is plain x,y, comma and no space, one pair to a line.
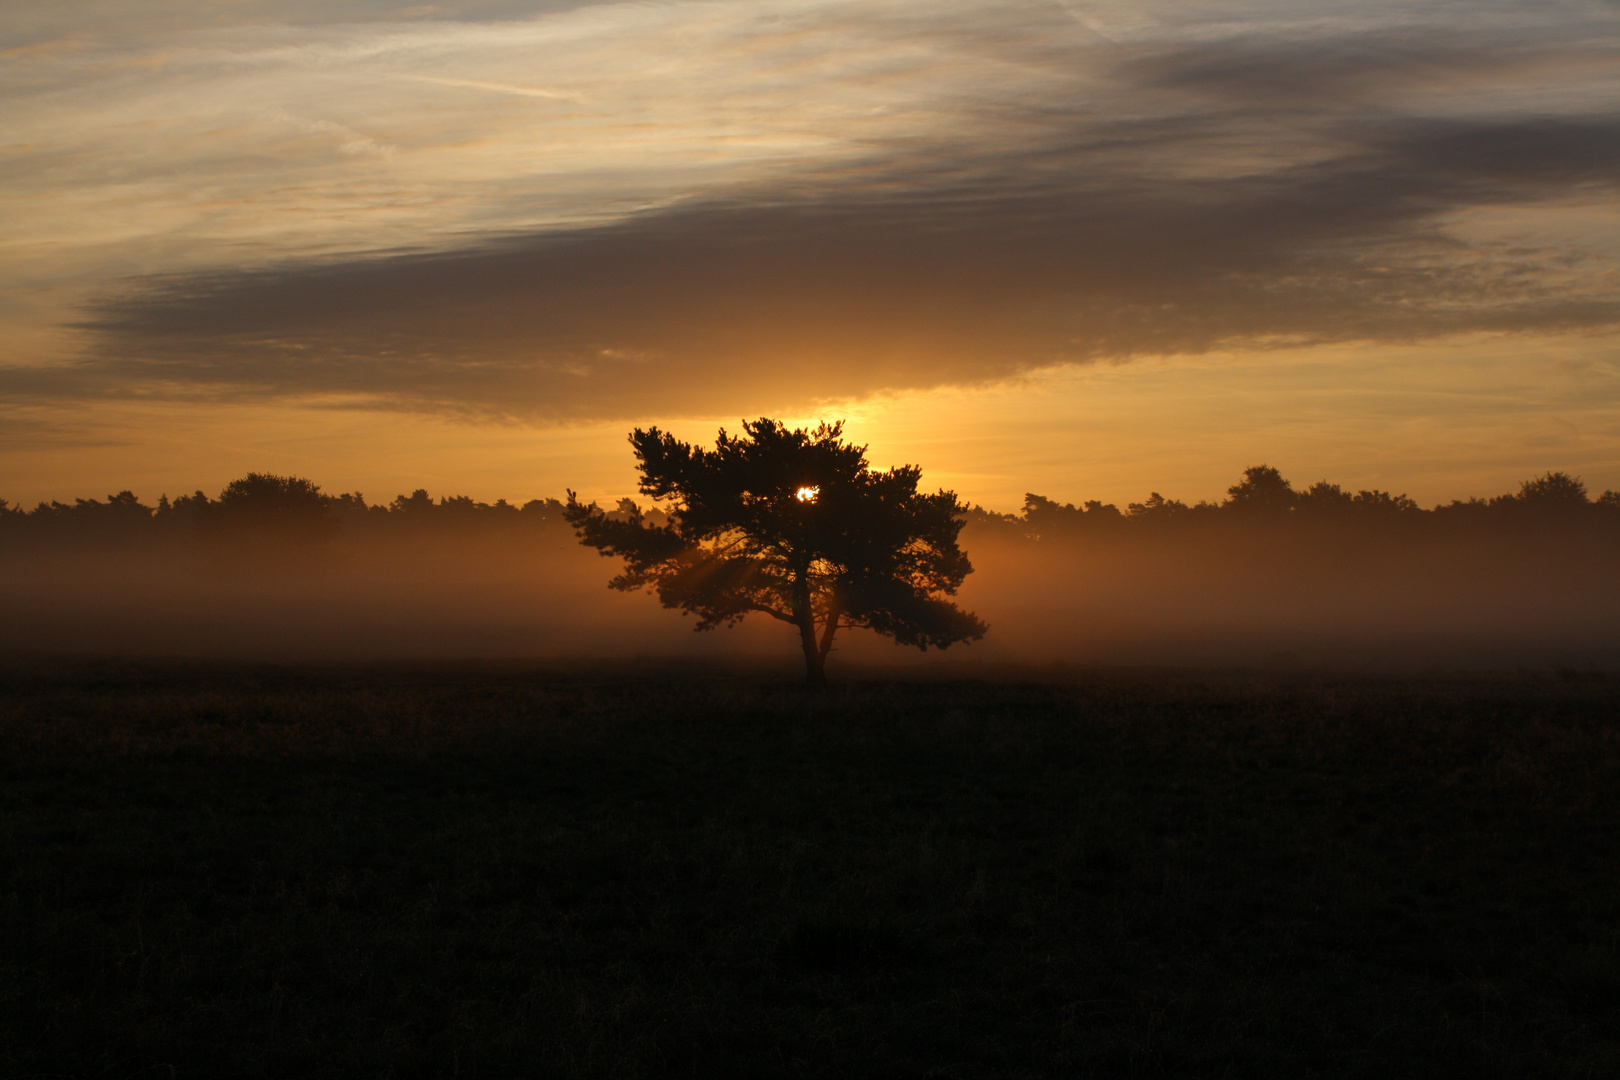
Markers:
428,594
1255,596
1272,578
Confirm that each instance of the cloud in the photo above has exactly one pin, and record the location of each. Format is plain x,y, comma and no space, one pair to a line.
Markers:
973,195
974,278
1291,72
503,88
31,24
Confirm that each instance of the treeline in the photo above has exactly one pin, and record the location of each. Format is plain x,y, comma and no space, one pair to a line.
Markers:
1264,498
282,509
291,509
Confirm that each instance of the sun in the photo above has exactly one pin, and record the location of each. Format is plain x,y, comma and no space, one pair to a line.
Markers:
807,494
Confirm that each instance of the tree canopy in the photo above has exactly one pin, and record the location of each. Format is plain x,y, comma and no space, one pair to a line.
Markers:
793,524
269,514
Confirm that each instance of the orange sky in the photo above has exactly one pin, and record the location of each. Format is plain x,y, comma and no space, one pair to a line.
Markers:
1088,250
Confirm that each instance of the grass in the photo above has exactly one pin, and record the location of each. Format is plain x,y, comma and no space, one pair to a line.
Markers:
209,871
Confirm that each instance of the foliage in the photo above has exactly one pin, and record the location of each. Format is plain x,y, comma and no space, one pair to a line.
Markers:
1155,506
1262,490
1553,489
795,525
1044,518
1553,501
264,510
1266,500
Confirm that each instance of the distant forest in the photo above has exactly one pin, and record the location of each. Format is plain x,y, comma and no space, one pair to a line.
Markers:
1265,498
274,567
284,509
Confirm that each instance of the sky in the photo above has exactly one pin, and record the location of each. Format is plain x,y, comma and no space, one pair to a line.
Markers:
1083,249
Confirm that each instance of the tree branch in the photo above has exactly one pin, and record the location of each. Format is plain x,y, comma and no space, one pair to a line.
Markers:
773,613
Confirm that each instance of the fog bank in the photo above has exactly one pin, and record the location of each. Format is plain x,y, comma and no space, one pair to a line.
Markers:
1252,593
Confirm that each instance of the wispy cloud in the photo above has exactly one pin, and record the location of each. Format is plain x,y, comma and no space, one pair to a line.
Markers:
501,88
700,206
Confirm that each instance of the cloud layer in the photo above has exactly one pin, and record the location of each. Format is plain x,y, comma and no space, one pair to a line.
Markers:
774,204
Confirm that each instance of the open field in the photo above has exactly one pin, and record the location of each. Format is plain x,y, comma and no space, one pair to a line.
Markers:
630,870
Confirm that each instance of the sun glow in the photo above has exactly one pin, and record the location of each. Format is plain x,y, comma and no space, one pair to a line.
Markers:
807,494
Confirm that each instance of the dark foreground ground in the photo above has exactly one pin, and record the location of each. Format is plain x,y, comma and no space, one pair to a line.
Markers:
492,872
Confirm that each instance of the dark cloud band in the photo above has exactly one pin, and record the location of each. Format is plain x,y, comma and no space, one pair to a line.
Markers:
1066,238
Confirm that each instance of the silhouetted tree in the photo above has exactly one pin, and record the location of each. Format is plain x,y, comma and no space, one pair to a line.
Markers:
1156,507
543,509
1047,519
419,502
1263,489
1382,502
792,524
1553,491
269,514
1323,498
978,521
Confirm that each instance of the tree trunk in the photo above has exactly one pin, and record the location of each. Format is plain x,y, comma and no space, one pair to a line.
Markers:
833,615
815,671
805,615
